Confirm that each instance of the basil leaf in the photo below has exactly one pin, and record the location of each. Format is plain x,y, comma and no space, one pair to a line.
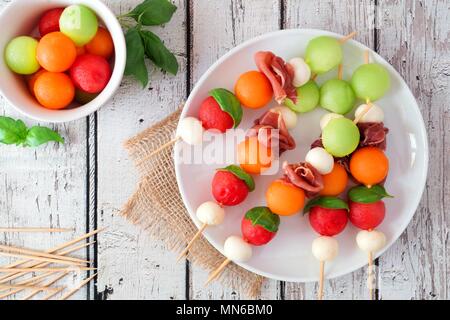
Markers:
363,194
153,12
326,202
241,174
156,51
38,135
228,103
262,216
135,57
12,131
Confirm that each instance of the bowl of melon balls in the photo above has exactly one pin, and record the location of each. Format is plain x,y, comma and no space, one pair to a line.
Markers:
62,60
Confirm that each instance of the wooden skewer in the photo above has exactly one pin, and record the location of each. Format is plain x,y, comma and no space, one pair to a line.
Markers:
366,56
158,150
33,280
340,71
44,264
50,230
52,294
199,232
82,284
321,279
314,77
215,274
16,286
55,249
38,258
42,254
347,37
48,284
369,104
370,275
28,270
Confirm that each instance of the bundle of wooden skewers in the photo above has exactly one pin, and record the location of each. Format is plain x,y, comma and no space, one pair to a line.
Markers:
37,272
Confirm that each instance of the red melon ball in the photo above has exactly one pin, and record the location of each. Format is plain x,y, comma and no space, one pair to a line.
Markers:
227,189
49,21
255,234
213,117
367,216
328,222
90,73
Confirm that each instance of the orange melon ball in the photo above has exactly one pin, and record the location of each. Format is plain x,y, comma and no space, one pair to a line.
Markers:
335,182
369,165
32,80
254,157
284,199
253,90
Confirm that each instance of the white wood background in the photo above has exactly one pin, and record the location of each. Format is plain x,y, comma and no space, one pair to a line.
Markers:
85,182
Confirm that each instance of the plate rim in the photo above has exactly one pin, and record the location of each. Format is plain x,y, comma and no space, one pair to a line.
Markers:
414,107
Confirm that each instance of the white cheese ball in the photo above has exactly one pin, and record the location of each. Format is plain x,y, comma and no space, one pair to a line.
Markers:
375,113
236,249
210,213
289,116
327,118
302,72
320,159
370,241
190,130
325,248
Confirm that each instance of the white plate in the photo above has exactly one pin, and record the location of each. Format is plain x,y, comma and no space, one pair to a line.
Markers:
288,256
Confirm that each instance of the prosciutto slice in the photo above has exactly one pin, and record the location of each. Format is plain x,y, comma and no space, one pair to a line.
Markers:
263,129
373,134
279,73
305,176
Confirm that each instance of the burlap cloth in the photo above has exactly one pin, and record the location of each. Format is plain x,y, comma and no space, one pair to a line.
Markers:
157,207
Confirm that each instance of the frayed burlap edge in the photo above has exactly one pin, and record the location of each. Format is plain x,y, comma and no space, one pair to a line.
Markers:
157,207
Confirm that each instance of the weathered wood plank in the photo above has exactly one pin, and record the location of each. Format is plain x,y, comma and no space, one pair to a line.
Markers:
132,265
342,17
414,37
44,187
217,27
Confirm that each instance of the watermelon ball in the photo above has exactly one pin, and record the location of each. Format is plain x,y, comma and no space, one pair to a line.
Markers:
83,97
327,221
213,117
90,73
367,216
49,21
259,226
20,55
79,23
228,189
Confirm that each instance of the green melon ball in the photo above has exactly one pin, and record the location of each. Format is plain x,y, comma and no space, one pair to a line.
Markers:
20,55
323,54
340,137
337,96
307,98
370,81
79,23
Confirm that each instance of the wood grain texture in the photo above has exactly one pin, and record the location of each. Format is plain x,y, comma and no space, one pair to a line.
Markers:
131,264
341,17
414,37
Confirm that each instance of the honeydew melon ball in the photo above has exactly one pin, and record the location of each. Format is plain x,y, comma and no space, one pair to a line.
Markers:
79,23
337,96
307,98
370,81
323,54
340,137
20,55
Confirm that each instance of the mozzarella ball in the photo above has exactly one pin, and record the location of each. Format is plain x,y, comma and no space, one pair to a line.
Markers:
236,249
289,116
190,130
210,213
320,159
325,248
327,117
375,113
370,241
302,72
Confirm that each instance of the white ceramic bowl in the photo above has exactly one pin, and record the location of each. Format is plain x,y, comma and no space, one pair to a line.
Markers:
288,256
20,17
